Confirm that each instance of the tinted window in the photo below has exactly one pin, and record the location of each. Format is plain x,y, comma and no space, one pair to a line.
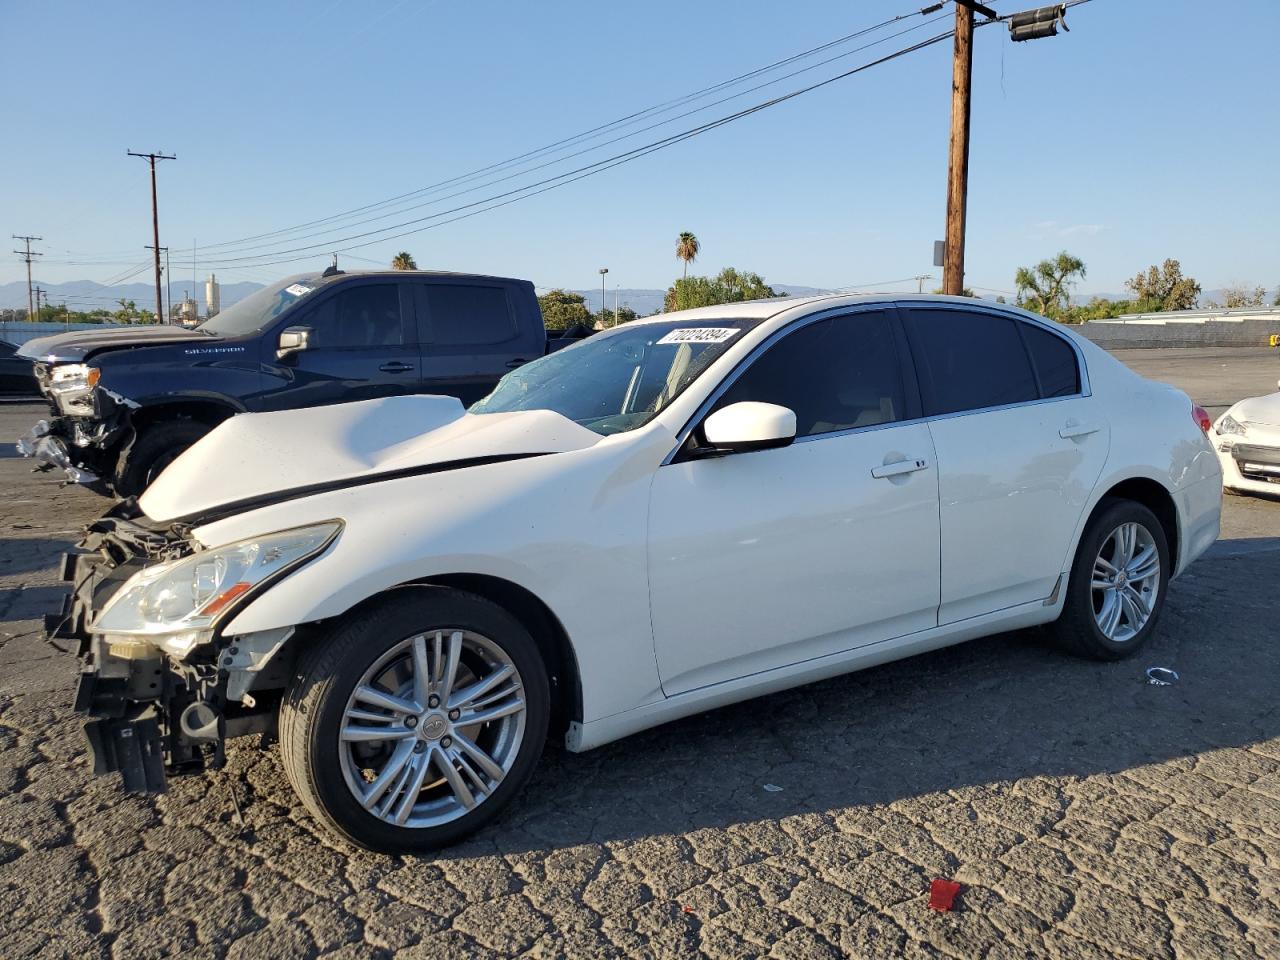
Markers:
462,315
363,316
1055,362
968,361
836,374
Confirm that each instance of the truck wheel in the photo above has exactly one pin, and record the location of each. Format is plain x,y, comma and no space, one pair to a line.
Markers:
1117,585
155,448
414,723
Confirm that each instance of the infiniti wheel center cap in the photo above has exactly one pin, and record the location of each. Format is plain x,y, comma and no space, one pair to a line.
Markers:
1121,578
434,727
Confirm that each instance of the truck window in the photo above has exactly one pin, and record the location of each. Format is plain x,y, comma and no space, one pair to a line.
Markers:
361,316
469,314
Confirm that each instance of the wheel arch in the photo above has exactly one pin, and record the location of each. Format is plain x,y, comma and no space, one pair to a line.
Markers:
543,625
203,410
1157,498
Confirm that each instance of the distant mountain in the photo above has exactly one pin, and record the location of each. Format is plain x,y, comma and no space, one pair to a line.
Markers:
88,295
646,301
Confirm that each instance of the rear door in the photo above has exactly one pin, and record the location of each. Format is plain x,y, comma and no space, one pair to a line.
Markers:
470,336
360,347
1020,444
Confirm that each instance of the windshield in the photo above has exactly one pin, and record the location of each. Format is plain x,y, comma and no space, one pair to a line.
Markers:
619,380
257,311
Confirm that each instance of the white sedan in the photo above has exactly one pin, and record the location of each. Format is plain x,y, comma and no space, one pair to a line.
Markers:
1248,440
673,515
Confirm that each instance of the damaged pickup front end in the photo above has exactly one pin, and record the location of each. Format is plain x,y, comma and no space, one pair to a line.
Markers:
87,427
160,684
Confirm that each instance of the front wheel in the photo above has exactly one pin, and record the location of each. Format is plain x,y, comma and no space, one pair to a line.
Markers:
1118,583
416,721
158,446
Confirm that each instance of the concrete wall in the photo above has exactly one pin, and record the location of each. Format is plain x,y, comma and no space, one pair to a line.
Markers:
19,333
1208,333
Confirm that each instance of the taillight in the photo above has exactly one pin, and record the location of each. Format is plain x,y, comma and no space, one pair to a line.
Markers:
1201,416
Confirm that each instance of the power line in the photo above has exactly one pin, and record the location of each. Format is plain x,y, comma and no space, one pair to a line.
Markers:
572,176
592,132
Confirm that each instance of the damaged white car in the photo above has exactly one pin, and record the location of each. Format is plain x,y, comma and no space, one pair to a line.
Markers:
673,515
1248,440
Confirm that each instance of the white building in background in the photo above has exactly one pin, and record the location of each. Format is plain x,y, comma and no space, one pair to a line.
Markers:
186,311
211,296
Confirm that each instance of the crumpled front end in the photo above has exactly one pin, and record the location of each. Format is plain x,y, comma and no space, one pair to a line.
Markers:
150,714
86,428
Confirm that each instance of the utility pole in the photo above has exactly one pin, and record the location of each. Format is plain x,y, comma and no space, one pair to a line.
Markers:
1028,25
604,302
27,255
38,293
155,219
168,290
958,158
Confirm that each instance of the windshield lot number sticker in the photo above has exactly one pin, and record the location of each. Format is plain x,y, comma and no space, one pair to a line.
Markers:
297,289
700,335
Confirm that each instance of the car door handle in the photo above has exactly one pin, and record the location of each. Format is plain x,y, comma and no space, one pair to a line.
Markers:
1073,431
898,468
517,362
395,366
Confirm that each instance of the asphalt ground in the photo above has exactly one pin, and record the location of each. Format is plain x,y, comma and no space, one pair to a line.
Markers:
1085,812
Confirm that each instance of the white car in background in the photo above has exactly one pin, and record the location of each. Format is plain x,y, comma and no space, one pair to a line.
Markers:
1248,440
675,514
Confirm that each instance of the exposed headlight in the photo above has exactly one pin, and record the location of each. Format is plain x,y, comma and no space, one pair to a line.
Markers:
1230,425
73,377
71,386
175,605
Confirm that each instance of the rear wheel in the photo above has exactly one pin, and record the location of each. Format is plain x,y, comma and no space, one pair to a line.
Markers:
155,448
1118,583
416,721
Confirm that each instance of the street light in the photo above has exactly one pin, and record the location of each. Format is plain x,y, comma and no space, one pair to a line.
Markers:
602,271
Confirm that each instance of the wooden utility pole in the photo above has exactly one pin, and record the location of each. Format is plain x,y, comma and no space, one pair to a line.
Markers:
155,223
958,163
27,255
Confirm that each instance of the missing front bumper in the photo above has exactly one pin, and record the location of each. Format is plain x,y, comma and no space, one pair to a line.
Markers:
51,453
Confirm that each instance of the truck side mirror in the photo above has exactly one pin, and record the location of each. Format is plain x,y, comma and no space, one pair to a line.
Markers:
293,340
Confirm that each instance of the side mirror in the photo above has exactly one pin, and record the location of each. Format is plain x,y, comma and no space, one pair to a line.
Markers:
750,425
293,340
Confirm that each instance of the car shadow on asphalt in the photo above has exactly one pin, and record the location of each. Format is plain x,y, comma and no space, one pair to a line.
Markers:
991,711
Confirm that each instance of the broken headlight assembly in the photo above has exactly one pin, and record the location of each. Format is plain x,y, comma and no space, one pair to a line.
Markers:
175,606
1230,425
71,386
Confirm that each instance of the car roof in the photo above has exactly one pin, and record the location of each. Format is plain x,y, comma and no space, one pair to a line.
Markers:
453,275
757,309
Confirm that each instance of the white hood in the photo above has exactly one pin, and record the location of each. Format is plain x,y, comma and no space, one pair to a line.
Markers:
256,454
1264,410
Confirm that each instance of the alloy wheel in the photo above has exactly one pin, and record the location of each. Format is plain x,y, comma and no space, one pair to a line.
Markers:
1126,581
432,728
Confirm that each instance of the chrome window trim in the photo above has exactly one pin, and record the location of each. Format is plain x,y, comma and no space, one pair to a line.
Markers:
1017,316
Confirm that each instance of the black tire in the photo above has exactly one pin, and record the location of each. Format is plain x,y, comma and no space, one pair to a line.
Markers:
328,671
1077,629
155,448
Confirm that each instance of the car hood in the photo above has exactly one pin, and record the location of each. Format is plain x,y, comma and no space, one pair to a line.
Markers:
82,344
255,459
1264,410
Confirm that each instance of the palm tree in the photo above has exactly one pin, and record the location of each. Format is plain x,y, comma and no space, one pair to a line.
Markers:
687,248
403,261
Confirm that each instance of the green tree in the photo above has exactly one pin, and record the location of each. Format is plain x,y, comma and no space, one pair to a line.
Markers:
729,286
606,318
687,248
403,261
1046,287
966,292
1164,288
562,309
128,311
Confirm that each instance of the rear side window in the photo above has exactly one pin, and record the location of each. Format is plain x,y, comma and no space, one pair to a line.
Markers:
469,314
840,373
1055,362
969,360
362,316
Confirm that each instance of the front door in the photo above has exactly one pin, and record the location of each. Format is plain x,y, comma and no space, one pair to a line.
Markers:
359,348
763,559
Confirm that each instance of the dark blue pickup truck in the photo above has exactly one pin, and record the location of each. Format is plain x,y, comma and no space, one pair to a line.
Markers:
127,401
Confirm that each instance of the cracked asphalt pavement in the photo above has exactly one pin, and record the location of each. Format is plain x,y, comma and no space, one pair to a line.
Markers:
1085,812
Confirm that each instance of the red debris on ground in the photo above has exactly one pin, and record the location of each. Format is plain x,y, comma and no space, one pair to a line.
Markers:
942,894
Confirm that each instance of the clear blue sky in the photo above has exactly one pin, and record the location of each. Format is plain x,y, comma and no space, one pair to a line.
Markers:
1151,130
